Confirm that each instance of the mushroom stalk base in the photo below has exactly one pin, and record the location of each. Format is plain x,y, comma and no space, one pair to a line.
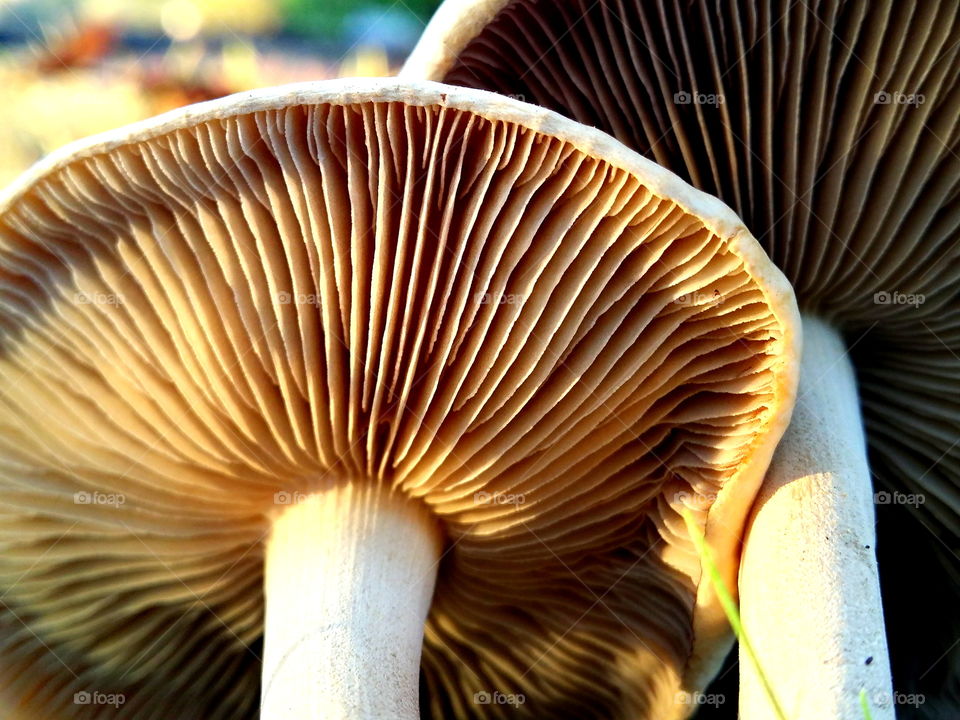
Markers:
809,589
349,579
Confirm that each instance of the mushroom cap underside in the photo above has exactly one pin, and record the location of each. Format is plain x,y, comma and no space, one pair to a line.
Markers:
554,344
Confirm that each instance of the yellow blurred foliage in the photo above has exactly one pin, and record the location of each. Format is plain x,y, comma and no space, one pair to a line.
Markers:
212,16
366,61
41,113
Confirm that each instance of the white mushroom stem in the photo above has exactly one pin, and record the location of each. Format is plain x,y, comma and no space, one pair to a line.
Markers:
809,589
349,579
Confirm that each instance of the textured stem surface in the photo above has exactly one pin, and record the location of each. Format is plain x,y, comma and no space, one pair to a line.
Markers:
809,590
349,578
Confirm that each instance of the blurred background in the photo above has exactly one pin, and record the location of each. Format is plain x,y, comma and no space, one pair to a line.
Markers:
72,68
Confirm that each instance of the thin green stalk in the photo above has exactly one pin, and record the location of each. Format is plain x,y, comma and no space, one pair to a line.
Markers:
733,616
729,607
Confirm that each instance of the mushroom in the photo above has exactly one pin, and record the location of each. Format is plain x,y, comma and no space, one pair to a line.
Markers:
831,128
434,368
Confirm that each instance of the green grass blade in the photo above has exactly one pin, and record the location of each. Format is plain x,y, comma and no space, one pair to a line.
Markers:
729,607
